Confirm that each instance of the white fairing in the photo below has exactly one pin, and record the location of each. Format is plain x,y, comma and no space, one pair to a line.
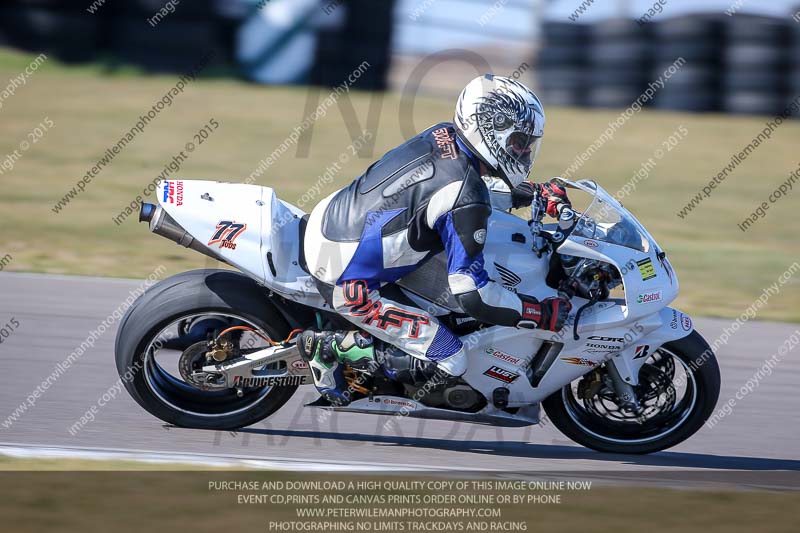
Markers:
262,239
632,325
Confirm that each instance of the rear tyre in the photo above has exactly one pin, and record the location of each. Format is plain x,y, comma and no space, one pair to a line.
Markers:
161,314
685,417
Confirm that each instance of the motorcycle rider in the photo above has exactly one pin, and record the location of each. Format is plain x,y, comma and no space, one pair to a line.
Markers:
433,192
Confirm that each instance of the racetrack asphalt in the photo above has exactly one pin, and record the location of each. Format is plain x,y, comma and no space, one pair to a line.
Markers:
761,435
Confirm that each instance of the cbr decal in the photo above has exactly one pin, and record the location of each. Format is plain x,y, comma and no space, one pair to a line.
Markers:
226,233
356,296
607,339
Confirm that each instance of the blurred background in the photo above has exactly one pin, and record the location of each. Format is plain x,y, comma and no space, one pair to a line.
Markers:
77,76
744,55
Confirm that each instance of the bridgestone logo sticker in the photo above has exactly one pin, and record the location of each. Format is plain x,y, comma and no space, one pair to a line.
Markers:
274,381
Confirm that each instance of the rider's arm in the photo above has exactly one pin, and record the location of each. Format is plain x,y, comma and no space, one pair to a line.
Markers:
461,223
460,214
462,232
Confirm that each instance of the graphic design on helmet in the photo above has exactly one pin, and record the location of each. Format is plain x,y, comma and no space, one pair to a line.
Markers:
507,124
502,122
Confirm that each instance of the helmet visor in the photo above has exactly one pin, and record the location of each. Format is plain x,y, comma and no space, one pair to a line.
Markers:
522,149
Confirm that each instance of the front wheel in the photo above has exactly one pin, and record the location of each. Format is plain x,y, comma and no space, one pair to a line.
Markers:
179,313
678,390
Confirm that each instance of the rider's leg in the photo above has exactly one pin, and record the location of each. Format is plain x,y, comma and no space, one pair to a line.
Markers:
391,317
394,320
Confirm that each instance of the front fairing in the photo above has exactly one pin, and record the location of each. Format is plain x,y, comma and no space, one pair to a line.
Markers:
608,232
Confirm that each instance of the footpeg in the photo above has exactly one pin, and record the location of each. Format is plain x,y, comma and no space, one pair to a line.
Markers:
500,397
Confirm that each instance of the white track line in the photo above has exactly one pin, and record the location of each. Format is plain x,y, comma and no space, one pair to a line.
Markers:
41,451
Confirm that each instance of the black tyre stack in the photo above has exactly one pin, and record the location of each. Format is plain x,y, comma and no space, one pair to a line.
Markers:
693,44
62,29
177,42
754,78
620,58
365,34
68,31
793,83
562,64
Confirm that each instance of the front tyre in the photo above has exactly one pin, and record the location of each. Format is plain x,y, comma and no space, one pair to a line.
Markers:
177,312
679,386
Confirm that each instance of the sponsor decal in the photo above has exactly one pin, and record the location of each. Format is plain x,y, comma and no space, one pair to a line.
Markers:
531,312
226,232
357,298
646,269
503,356
399,403
299,365
479,236
508,278
607,339
272,381
579,361
173,192
464,320
641,351
501,374
674,322
649,297
444,141
686,323
602,347
169,192
590,244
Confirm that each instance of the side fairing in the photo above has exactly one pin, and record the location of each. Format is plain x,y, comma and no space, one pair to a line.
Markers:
226,217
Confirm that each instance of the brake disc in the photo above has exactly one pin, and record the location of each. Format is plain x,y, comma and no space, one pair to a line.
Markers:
190,364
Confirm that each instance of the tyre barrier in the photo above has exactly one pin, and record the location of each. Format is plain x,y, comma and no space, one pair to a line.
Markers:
742,64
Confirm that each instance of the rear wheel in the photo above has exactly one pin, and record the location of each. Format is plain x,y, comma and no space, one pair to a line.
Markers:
678,390
158,341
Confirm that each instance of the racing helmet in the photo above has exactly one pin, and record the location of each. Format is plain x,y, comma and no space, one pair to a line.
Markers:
502,122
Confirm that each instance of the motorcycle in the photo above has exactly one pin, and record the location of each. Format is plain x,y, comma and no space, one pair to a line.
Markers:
214,349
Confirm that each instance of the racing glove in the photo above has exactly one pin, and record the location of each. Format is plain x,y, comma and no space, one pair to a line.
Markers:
522,196
556,197
550,314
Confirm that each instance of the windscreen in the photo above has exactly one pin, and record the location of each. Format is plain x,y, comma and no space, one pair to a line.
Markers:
603,222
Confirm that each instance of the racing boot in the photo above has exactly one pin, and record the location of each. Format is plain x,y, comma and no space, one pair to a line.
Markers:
327,353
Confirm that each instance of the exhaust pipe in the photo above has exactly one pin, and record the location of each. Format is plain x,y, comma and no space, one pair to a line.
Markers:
162,224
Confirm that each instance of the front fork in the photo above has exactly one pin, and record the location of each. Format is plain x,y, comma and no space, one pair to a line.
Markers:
622,386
